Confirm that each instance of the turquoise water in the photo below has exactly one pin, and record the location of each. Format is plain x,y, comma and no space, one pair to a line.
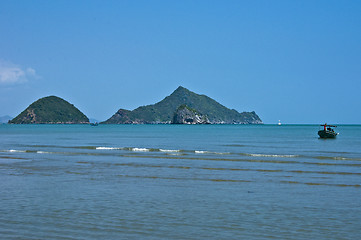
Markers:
179,182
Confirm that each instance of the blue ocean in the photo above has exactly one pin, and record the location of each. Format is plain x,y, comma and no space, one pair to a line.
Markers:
179,182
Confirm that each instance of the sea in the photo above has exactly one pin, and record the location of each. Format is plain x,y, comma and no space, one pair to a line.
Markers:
179,182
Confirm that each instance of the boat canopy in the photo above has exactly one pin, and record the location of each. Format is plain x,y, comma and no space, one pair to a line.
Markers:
328,125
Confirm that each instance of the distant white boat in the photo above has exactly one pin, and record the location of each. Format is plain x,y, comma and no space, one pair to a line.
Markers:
279,123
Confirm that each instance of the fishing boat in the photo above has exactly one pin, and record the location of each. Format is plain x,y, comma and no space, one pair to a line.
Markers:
327,131
94,124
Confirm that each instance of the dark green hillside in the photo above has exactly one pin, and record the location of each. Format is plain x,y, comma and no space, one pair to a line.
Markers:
50,110
163,111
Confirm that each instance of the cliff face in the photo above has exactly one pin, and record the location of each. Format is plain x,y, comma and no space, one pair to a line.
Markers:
163,111
51,110
187,115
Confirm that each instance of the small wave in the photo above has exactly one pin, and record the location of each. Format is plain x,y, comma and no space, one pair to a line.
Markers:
341,158
337,158
83,147
222,153
201,152
14,151
140,149
271,155
208,152
134,149
106,148
42,152
169,150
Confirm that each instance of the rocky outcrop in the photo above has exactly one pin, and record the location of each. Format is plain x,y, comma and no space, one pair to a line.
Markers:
187,115
120,115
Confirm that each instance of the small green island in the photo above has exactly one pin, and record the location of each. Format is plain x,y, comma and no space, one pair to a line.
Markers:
50,110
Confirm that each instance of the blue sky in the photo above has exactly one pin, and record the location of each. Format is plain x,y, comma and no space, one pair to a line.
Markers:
294,61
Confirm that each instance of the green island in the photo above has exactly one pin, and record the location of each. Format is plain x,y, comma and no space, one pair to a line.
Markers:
50,110
163,111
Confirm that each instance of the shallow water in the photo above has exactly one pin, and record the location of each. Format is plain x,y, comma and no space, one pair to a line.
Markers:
179,182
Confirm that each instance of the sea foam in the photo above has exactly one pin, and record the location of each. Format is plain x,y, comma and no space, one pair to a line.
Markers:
140,149
168,150
13,151
201,152
106,148
272,155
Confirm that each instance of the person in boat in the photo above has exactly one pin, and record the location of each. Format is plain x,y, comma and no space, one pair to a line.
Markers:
325,127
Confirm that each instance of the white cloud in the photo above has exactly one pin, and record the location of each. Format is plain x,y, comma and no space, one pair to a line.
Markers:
31,72
11,73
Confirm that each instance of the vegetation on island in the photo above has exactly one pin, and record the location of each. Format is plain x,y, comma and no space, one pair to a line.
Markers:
163,111
50,110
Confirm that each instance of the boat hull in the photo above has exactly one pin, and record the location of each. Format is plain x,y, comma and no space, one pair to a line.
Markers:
327,134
